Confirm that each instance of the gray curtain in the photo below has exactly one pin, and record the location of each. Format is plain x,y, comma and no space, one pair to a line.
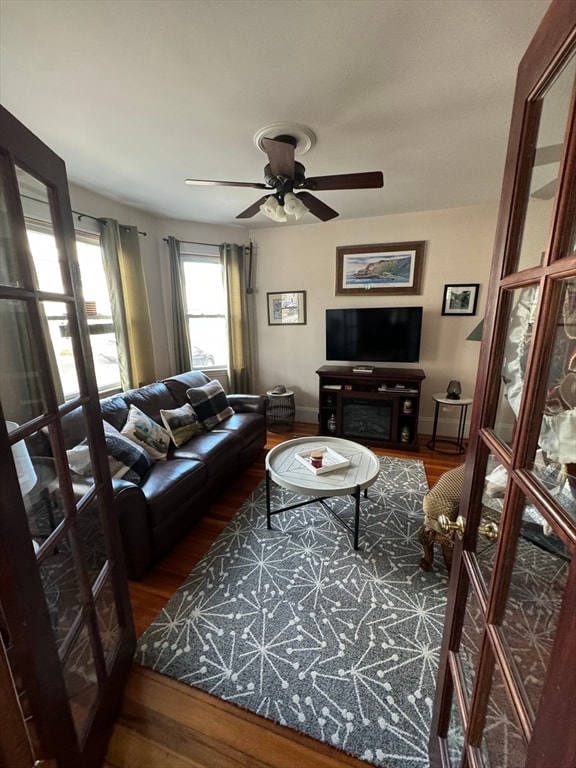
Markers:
181,336
235,260
127,288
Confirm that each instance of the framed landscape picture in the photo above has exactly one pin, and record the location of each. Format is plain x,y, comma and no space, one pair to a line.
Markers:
287,308
383,268
460,299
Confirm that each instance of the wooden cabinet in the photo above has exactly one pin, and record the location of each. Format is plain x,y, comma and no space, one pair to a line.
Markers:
379,408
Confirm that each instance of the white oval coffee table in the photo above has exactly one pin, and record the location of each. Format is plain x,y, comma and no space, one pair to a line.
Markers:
286,470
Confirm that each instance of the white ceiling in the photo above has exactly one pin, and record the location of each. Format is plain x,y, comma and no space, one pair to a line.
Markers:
137,95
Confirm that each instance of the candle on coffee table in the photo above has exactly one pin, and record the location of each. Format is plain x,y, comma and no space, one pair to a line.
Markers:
316,459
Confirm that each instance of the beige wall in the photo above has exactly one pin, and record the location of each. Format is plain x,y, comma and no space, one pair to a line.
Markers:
459,245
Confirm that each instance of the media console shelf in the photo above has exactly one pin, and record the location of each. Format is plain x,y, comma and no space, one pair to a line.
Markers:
377,408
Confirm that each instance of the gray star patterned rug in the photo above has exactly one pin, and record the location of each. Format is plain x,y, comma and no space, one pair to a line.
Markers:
294,625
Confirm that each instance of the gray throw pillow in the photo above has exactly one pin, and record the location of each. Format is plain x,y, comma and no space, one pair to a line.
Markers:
210,403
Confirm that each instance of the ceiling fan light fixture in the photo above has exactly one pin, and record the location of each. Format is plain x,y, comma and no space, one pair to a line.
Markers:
273,210
293,206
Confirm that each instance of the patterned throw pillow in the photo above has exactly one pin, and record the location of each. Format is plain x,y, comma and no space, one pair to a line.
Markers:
210,403
181,424
125,458
144,431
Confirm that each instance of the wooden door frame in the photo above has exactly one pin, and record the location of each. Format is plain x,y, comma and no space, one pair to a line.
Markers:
549,50
30,646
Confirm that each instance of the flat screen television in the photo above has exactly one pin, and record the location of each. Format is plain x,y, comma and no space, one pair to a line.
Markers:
374,334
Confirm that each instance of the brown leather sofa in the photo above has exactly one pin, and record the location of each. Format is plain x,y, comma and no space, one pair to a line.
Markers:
176,492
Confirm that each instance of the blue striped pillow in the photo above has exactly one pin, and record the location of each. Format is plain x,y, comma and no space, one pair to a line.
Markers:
125,458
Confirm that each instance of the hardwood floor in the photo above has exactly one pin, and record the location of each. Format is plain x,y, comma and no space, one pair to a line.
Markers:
164,724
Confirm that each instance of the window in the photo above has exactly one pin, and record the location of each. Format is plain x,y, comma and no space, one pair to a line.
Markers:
98,310
205,296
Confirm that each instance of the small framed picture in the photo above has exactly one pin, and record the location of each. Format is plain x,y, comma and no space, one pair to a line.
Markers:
287,308
460,299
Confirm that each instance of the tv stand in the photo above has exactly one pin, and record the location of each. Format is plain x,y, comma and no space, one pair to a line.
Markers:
378,407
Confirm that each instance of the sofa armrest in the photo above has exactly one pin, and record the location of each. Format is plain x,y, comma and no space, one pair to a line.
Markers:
131,511
248,403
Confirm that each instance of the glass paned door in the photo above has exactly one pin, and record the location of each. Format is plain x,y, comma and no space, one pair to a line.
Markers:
64,607
549,146
507,672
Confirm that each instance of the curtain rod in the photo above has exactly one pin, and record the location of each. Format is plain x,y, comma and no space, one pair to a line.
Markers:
76,213
102,221
194,242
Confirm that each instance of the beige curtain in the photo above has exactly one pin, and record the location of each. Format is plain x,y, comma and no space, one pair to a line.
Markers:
181,336
128,297
235,260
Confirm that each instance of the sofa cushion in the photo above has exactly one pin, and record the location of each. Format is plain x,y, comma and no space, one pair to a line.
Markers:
144,431
126,459
248,426
219,450
150,399
114,411
179,384
210,403
170,485
181,423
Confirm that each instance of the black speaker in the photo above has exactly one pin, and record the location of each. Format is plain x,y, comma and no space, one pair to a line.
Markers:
454,390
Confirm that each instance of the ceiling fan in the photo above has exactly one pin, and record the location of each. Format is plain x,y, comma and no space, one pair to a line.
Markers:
284,176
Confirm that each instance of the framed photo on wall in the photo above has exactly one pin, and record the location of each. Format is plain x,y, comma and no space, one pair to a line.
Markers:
287,308
460,299
383,268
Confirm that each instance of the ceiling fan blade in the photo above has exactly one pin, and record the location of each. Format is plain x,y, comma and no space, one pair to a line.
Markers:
281,156
369,180
546,192
317,207
549,154
253,209
207,183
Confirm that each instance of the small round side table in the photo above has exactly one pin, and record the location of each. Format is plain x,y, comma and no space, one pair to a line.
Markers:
280,411
458,444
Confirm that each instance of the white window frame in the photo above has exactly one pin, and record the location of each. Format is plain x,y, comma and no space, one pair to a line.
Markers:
90,238
204,254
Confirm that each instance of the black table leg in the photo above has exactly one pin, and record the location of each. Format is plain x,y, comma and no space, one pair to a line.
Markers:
356,516
461,424
268,499
432,443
